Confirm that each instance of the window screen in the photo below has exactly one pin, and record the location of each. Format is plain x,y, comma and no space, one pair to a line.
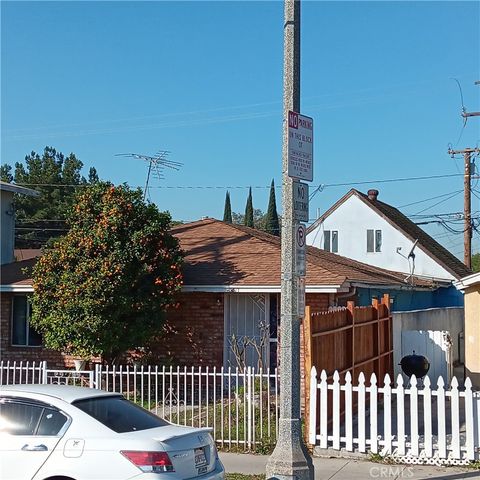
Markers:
334,241
326,240
378,240
370,241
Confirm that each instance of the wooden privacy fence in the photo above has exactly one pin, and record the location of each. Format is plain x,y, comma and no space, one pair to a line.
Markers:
349,339
412,424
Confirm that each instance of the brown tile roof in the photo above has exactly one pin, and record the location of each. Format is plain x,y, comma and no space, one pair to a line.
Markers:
26,253
217,253
15,273
430,246
220,254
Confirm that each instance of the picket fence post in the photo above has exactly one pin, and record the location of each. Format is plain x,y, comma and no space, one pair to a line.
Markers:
427,417
455,401
400,415
413,416
312,414
387,415
348,412
361,413
336,411
373,414
469,429
323,410
442,433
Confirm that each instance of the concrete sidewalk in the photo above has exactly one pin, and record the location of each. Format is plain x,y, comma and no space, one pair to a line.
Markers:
347,469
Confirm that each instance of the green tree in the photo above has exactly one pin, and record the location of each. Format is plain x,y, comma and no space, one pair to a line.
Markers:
258,218
476,262
227,211
272,224
56,177
6,173
103,288
248,219
93,175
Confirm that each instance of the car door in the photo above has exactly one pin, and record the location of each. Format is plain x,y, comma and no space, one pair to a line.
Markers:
29,432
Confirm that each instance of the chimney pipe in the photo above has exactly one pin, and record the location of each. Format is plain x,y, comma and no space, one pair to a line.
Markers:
372,195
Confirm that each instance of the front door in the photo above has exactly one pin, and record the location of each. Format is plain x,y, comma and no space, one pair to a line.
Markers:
247,330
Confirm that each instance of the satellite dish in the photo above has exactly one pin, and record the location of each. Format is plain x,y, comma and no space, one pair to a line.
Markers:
411,254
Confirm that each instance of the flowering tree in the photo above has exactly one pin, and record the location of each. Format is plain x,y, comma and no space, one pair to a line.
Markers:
103,288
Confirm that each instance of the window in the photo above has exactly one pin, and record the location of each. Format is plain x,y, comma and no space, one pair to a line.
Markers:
22,418
326,240
330,241
378,240
119,414
374,240
22,333
334,241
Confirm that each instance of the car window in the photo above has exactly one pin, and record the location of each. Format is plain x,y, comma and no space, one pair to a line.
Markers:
51,422
119,414
19,418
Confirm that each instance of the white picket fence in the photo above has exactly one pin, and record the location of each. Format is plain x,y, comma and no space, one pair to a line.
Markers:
410,424
242,408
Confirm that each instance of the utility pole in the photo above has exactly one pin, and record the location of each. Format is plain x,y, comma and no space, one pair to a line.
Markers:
467,216
290,459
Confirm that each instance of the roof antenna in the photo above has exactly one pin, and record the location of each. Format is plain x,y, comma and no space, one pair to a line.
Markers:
411,255
157,162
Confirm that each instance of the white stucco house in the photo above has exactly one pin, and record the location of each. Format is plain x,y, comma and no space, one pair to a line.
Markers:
363,228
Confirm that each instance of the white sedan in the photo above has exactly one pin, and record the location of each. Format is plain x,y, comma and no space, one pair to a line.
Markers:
53,432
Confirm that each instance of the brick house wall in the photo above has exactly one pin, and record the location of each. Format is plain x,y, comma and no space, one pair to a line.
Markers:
8,352
193,334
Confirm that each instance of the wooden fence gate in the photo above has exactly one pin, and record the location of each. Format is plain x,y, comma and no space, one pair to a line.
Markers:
348,339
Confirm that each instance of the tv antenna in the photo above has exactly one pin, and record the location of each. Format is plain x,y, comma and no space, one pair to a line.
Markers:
155,163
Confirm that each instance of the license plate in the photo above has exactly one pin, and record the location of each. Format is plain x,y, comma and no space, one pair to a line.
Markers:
200,458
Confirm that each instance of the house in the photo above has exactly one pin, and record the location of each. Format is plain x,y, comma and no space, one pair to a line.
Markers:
231,290
232,283
7,218
363,228
470,285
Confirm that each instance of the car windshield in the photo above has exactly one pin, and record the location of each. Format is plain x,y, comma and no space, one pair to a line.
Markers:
119,414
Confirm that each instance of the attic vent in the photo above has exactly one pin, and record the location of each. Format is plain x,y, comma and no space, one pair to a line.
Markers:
372,195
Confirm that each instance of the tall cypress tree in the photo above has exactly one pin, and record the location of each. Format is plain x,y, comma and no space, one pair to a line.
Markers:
227,211
271,219
248,221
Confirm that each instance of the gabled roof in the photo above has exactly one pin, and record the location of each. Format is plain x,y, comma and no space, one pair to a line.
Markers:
412,231
222,254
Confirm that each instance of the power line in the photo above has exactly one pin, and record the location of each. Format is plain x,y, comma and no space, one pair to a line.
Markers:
199,187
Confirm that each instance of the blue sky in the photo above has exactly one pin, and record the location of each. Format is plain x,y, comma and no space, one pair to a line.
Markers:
204,81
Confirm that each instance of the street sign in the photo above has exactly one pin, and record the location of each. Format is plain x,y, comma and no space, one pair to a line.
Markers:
301,297
300,146
300,201
300,249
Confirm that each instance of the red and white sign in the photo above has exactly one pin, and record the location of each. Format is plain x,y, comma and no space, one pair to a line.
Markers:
300,146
